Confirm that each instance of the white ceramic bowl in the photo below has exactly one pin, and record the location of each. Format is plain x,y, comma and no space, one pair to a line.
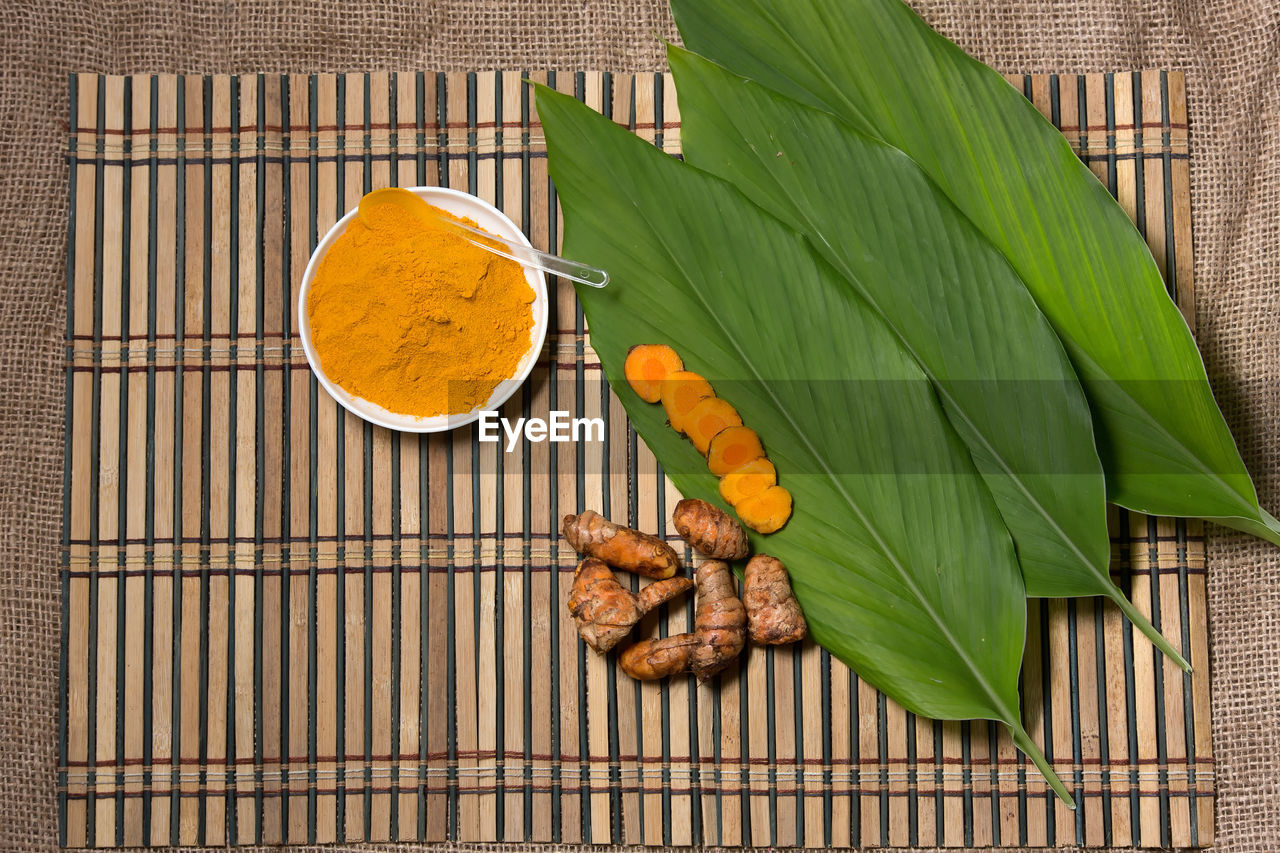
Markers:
490,219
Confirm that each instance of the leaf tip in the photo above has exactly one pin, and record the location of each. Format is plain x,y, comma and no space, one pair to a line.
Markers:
1028,746
1147,629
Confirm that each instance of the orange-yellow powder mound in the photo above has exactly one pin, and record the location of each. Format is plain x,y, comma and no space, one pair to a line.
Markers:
408,315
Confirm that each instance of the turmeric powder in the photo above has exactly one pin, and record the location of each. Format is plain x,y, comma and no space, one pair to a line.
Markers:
410,316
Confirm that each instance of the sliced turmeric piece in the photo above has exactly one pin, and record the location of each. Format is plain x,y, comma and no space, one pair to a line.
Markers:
621,547
709,418
749,482
765,511
681,391
773,614
710,530
647,365
732,448
748,479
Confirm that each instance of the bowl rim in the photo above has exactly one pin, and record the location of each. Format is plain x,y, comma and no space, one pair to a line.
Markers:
491,219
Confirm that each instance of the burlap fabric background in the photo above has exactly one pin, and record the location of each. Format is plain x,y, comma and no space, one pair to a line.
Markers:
1230,50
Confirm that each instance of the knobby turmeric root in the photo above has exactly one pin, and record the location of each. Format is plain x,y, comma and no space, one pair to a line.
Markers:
765,511
707,419
773,614
710,530
621,547
718,636
660,657
732,448
647,365
681,391
606,611
719,621
746,480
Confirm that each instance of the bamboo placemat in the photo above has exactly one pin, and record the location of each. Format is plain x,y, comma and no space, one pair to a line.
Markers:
283,625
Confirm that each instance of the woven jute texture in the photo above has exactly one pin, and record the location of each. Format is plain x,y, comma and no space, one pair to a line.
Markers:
1229,49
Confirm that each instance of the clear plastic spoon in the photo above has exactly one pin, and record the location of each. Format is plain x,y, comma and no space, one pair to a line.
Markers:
412,203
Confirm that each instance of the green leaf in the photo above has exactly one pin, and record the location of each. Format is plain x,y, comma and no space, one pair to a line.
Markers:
873,63
951,299
896,549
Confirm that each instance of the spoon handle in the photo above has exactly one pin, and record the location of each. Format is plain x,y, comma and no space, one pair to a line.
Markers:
530,257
